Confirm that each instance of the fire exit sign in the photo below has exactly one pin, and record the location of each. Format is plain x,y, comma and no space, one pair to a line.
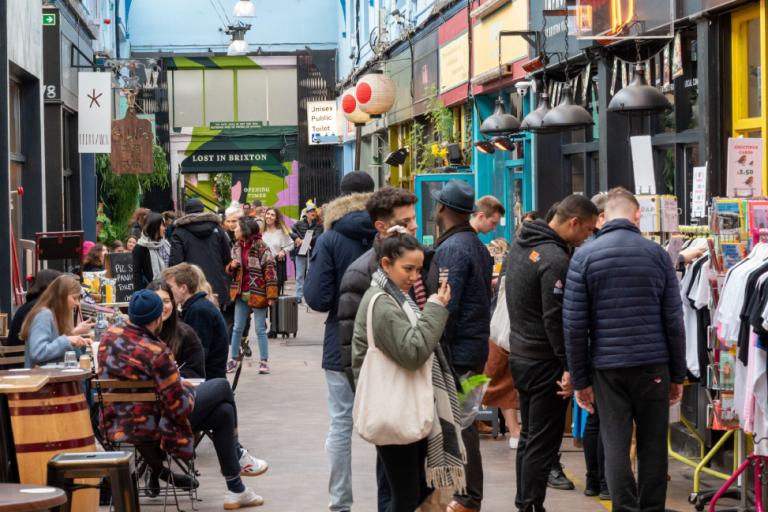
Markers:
49,20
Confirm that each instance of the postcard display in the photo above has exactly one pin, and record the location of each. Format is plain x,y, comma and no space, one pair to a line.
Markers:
725,304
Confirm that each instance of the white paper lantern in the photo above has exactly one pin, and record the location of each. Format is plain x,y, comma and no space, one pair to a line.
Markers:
375,92
351,108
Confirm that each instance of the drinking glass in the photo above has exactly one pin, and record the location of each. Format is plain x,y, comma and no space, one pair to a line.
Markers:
70,359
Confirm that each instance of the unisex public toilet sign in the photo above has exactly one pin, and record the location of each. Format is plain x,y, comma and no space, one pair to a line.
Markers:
322,122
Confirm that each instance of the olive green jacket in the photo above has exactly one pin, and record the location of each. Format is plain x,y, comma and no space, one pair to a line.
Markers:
408,346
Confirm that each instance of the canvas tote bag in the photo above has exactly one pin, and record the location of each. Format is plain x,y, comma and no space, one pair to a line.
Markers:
500,319
393,405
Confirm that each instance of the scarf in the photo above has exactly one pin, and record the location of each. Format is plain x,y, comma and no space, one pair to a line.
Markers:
445,449
159,253
459,228
245,250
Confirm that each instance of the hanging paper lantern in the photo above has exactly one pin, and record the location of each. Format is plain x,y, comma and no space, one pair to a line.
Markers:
351,108
375,93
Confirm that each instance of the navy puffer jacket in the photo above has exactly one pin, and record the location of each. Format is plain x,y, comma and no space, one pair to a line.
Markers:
622,306
470,269
348,234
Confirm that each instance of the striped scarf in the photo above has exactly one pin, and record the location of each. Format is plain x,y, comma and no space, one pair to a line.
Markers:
445,449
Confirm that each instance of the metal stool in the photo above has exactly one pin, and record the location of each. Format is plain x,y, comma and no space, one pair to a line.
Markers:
118,467
490,414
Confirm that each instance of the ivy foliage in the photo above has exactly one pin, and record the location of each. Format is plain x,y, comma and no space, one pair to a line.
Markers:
121,194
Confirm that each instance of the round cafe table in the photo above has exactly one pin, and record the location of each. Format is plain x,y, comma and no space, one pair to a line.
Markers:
25,498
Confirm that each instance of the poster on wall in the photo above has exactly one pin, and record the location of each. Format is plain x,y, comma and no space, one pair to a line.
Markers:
642,164
699,192
94,116
745,167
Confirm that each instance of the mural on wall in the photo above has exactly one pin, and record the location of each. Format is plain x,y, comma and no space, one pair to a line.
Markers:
260,161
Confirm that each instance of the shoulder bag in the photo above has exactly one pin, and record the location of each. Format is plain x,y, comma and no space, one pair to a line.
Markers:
393,405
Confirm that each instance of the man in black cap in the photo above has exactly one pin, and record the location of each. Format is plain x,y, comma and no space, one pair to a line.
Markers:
198,238
133,352
463,259
348,233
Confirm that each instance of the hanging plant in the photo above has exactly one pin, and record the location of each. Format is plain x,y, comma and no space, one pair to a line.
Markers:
121,194
222,187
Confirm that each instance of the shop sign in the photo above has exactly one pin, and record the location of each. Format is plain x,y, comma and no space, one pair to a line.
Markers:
94,126
230,161
454,63
624,19
322,122
132,145
745,167
235,125
51,59
699,192
485,38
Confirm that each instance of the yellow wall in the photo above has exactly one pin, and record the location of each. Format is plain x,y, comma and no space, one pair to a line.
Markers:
743,124
485,37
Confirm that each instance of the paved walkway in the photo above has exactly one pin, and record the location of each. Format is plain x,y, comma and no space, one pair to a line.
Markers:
283,419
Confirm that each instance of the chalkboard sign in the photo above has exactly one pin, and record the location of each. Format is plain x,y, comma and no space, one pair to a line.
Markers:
120,268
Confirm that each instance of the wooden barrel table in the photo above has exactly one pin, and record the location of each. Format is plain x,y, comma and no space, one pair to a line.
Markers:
47,421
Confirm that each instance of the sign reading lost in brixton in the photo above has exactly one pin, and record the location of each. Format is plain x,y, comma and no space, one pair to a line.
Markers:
131,145
94,116
120,268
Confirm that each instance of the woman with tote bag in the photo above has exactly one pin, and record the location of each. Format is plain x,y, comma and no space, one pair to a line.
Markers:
406,402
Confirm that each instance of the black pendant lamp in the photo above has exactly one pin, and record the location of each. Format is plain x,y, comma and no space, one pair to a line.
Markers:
534,120
500,123
638,97
567,115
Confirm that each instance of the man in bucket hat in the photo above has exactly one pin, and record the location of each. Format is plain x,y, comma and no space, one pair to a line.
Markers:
464,260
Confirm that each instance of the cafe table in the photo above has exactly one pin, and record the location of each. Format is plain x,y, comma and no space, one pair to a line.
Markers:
25,498
49,415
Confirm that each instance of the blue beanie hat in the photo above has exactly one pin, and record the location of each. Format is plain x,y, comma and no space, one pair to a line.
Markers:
145,307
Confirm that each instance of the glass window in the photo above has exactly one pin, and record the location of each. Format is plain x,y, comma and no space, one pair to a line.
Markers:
15,119
666,159
219,91
283,89
188,101
576,163
753,67
252,95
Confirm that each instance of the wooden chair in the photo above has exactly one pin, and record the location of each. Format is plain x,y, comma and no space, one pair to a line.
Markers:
12,357
114,391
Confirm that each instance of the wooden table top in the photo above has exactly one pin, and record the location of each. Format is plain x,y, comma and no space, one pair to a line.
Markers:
24,380
25,498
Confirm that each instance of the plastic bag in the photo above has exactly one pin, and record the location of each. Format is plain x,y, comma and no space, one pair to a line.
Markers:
471,395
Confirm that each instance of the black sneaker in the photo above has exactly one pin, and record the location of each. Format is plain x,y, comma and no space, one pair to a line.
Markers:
605,495
592,489
557,478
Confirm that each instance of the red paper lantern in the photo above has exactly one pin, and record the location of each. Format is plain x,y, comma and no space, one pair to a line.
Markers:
375,93
351,109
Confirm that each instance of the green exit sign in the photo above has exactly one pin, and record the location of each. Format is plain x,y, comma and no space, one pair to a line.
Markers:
49,20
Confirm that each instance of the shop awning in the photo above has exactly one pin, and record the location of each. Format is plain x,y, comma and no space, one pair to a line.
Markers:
239,149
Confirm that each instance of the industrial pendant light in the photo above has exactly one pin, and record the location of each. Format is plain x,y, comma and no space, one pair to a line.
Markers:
638,97
244,9
533,122
238,46
567,115
485,146
500,123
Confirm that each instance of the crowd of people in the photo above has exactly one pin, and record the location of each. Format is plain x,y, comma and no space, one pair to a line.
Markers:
580,288
592,311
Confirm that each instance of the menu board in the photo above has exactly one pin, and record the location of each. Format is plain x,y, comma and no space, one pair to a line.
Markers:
120,268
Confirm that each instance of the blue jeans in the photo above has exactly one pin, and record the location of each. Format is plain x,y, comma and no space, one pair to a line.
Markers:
242,310
301,272
339,441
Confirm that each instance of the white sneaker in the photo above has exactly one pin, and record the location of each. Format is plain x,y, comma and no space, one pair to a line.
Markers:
513,442
247,498
251,466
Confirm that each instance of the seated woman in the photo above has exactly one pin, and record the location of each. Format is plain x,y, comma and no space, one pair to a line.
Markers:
182,408
180,338
410,337
41,281
48,329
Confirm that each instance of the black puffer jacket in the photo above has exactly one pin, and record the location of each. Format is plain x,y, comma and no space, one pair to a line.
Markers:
199,239
354,284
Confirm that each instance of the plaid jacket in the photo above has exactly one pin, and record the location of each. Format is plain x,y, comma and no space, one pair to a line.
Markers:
131,353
